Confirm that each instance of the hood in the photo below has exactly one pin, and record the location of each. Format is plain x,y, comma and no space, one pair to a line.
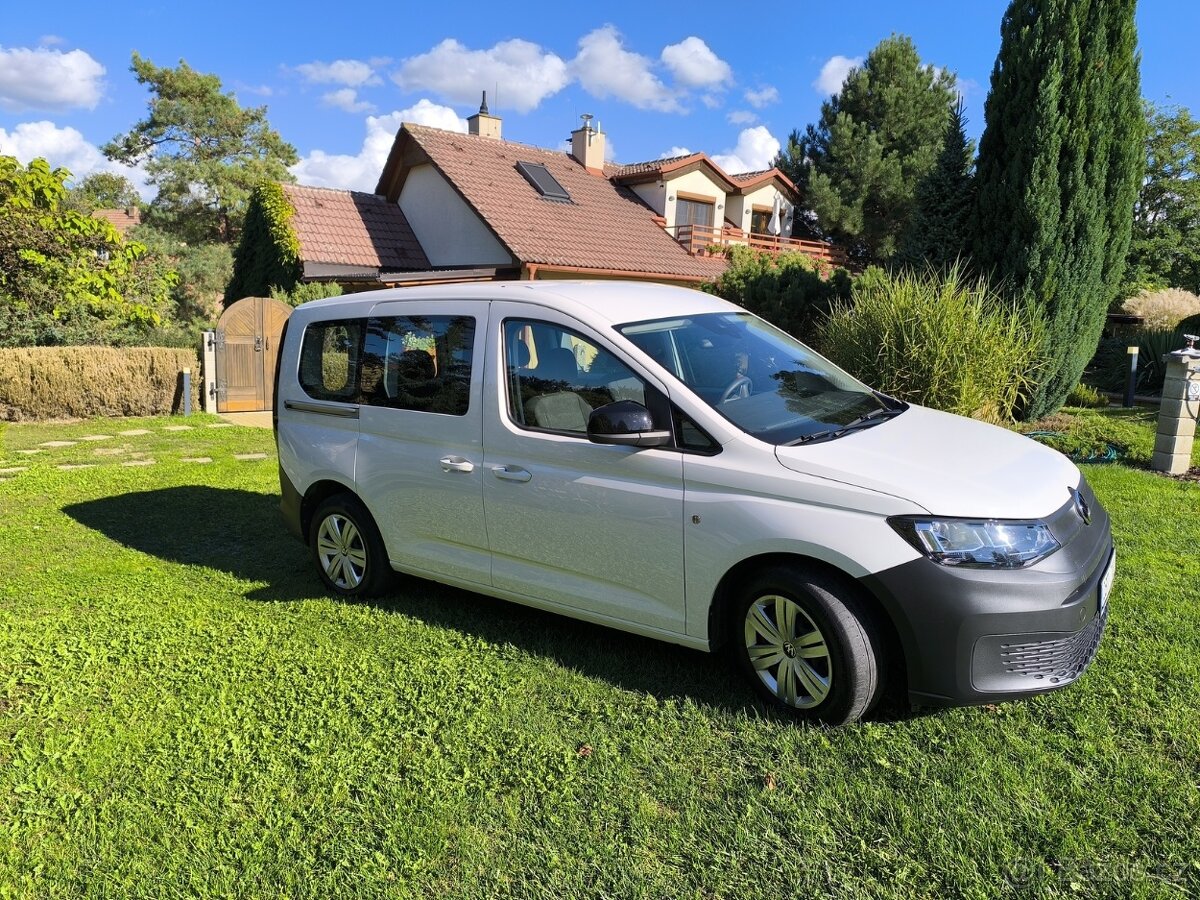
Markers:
947,464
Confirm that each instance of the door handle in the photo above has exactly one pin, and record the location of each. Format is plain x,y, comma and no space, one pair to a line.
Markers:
511,473
456,464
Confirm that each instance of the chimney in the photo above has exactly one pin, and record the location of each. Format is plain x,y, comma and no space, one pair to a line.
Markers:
484,123
587,145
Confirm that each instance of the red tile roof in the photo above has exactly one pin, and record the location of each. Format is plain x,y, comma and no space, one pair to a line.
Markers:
604,227
354,229
120,219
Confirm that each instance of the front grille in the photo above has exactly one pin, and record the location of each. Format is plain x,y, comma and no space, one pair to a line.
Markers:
1057,661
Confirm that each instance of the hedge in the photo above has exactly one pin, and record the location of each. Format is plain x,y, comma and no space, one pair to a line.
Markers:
80,382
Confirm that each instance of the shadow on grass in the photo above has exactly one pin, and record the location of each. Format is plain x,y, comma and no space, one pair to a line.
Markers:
240,532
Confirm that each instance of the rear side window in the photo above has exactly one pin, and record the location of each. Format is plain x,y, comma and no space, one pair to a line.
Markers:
420,363
329,360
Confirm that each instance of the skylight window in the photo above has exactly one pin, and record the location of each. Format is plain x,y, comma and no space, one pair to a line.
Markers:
543,182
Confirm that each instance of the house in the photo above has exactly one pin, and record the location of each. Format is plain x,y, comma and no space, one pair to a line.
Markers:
459,207
120,219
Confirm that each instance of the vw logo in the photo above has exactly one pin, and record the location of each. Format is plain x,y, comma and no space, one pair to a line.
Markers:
1081,508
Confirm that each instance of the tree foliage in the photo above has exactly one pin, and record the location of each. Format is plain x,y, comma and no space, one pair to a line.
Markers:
938,233
103,190
268,254
202,150
1059,163
790,290
1165,248
66,277
876,139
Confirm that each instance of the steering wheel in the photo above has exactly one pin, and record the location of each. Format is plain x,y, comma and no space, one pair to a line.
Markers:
738,389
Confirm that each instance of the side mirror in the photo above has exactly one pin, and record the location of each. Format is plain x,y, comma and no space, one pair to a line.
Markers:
626,423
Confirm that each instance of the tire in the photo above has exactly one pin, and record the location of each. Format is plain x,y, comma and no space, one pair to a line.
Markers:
347,548
829,651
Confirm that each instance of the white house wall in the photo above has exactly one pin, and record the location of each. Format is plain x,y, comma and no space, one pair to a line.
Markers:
698,184
765,197
653,195
449,231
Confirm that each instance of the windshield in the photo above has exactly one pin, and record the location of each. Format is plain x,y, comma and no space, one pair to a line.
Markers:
759,378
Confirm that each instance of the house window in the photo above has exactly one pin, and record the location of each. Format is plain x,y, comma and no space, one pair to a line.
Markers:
693,212
760,220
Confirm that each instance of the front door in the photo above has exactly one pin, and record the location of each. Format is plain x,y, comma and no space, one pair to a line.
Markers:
593,527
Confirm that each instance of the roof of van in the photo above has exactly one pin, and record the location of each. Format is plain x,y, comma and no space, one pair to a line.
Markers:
613,301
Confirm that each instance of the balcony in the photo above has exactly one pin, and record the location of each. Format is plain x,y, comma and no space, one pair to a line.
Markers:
699,239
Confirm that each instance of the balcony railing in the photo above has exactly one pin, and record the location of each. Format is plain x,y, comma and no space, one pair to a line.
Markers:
704,238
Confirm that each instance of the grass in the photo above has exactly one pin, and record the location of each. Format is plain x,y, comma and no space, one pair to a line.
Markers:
184,713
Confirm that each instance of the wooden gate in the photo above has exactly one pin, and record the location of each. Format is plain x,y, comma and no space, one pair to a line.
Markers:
247,346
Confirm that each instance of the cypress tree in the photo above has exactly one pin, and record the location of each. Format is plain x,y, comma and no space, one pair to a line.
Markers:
1059,163
939,232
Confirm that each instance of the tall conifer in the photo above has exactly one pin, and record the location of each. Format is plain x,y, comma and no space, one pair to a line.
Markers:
1058,169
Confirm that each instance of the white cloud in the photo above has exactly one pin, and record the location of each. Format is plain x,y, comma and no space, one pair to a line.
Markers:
675,151
606,69
756,149
350,72
834,72
521,72
764,96
65,147
346,99
43,78
694,64
741,117
361,172
50,40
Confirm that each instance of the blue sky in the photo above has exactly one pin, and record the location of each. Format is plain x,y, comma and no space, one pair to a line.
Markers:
338,79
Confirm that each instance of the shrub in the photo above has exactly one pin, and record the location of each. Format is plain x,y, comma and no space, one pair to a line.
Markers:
790,290
302,293
938,339
79,382
1085,396
1163,309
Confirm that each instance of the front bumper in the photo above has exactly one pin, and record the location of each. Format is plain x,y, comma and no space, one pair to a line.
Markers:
983,636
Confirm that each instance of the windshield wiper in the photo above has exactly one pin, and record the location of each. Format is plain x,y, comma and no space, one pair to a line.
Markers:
874,417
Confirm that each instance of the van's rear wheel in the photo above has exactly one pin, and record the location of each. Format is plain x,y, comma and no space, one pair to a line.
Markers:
808,644
348,550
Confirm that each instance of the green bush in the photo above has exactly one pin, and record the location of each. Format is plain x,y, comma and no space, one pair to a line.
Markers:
790,290
1086,397
78,382
302,293
937,339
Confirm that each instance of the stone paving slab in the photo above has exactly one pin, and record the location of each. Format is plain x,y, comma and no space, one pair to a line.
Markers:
96,437
31,452
69,466
196,459
249,456
134,432
177,428
109,451
221,425
13,470
138,462
59,443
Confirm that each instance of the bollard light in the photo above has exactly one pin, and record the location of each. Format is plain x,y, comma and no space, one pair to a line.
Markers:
1131,384
187,392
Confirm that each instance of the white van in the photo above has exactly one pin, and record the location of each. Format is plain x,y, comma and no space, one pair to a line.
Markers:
660,461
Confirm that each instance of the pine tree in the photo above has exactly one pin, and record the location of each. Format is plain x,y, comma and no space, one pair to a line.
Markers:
938,234
876,139
1058,169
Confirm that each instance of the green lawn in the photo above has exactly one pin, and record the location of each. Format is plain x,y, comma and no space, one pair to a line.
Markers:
184,713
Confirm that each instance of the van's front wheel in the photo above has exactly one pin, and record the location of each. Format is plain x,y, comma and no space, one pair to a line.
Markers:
348,550
808,644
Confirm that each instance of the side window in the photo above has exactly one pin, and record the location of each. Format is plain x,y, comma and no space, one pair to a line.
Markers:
557,377
691,436
420,363
329,360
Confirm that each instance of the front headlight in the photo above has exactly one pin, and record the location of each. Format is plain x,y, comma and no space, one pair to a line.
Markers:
975,543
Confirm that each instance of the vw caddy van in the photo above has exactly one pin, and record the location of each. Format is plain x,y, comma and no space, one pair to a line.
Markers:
660,461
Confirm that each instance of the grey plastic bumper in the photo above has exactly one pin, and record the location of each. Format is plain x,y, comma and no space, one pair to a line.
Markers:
983,636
